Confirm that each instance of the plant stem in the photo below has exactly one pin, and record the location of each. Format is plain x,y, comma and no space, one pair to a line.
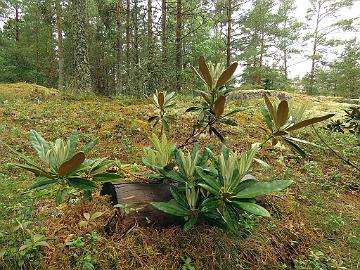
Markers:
345,159
193,135
262,144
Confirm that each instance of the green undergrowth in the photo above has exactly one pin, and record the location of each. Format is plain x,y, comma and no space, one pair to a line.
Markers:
314,224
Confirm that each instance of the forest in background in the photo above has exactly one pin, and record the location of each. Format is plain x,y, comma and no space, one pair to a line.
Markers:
139,46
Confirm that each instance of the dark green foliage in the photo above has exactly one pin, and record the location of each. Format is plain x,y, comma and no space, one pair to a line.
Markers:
216,188
335,126
352,118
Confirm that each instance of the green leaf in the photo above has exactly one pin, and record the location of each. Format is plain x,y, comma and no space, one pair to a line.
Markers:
267,118
28,160
174,176
82,183
208,179
231,218
218,134
261,188
102,167
165,124
87,195
209,188
170,208
73,144
89,146
295,147
36,170
190,223
193,109
252,208
234,112
60,196
245,184
228,122
264,164
178,196
209,204
42,181
152,118
106,177
40,145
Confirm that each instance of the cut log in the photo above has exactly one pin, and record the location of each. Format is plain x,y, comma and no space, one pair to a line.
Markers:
134,199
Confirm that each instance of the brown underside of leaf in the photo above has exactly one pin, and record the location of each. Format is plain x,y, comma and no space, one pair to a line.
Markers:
72,164
310,122
219,106
205,71
282,113
270,107
161,99
280,133
226,75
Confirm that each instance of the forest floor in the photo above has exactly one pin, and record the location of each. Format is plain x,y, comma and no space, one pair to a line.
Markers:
315,224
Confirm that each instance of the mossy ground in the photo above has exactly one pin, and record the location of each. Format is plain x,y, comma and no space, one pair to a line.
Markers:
315,224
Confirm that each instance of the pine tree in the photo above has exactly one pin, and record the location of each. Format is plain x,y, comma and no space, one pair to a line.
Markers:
81,75
317,15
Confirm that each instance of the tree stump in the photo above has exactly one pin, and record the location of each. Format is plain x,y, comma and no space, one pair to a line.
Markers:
134,199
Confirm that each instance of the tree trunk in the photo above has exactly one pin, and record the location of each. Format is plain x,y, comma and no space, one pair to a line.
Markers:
259,76
136,48
37,52
164,42
314,51
17,20
128,59
217,15
150,41
228,36
51,57
285,65
285,54
163,32
118,72
82,76
178,45
58,11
